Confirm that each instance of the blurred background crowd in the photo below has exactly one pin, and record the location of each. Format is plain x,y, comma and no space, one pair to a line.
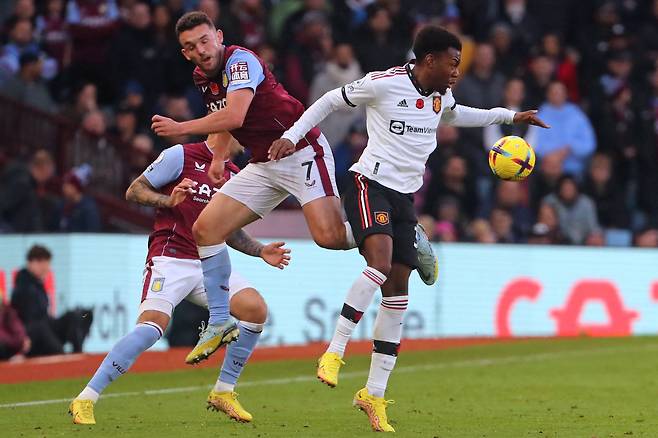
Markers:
85,76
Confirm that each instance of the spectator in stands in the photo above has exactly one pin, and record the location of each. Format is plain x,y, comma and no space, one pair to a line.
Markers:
565,62
18,199
510,197
540,75
452,181
132,53
52,30
342,69
480,231
513,97
483,86
27,85
94,123
294,22
85,99
13,338
21,41
647,238
347,153
92,24
507,57
376,43
308,52
606,192
178,108
449,220
547,228
79,212
576,211
140,156
571,138
125,124
47,334
501,225
251,18
525,27
47,187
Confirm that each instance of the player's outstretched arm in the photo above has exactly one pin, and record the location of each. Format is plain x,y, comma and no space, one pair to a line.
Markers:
274,254
467,117
142,192
226,119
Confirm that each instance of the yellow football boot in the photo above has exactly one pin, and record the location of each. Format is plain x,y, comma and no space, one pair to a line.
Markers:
328,366
210,339
375,408
227,402
82,411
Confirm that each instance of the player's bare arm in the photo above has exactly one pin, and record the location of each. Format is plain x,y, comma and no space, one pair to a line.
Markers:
226,119
274,253
143,193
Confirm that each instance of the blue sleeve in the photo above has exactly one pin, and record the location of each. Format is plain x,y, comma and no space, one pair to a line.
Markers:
166,168
243,70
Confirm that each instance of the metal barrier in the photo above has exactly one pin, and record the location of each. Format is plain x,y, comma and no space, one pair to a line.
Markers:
24,129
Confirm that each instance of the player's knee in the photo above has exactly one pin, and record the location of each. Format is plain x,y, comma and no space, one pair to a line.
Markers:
248,305
330,238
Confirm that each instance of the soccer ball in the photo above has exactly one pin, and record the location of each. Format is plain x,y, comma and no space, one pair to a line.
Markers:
511,158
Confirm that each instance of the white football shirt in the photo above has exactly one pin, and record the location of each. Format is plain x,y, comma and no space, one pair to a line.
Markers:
402,121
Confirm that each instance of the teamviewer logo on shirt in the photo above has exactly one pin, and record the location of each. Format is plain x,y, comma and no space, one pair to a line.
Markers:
397,127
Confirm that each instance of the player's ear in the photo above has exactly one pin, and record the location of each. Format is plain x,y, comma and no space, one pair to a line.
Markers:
185,54
220,36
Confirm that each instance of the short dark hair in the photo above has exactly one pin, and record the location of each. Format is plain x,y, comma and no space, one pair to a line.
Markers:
38,252
432,38
191,20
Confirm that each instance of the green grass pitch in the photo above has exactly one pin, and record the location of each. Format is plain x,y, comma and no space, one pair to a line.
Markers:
566,388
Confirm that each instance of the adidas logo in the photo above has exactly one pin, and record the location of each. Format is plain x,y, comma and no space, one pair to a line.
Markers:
403,103
199,167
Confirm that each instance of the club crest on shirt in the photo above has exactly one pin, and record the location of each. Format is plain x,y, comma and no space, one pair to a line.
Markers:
436,104
381,217
224,80
214,88
157,284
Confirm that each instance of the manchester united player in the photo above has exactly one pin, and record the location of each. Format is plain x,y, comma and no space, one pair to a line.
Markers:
177,184
243,97
404,108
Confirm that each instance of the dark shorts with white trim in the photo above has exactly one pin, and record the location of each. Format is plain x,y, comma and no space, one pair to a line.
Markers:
372,208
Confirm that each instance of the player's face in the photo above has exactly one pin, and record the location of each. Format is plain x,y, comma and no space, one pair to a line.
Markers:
202,45
444,69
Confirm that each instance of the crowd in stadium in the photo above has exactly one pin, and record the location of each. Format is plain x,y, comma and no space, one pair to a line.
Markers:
590,68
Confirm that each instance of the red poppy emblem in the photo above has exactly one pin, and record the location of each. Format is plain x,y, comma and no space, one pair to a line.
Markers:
420,104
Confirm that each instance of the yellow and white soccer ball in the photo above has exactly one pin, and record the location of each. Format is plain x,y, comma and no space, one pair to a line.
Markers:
511,158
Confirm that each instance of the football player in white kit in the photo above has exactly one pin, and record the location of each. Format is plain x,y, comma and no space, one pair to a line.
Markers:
404,106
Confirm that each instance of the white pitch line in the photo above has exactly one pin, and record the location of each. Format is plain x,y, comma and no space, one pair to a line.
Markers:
350,375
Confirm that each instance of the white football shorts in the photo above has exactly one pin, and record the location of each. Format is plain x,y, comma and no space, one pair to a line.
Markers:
308,174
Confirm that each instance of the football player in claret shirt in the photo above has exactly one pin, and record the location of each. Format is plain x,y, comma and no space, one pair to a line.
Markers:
245,100
404,106
177,184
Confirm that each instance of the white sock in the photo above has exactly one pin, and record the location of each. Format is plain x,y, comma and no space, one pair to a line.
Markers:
88,394
357,301
351,243
386,341
223,387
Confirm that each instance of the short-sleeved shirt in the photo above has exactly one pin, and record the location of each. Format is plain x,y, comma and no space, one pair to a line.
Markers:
172,230
272,110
